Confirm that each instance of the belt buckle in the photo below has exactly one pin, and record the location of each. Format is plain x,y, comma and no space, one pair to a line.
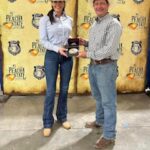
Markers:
95,62
100,62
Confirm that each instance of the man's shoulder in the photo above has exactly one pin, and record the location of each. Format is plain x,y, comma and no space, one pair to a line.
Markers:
113,21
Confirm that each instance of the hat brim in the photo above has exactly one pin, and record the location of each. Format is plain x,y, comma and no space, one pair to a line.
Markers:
59,0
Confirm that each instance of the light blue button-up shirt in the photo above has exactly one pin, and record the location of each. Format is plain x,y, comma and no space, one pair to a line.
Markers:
53,36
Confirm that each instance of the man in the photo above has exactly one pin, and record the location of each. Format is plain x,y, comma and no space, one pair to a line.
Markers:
104,37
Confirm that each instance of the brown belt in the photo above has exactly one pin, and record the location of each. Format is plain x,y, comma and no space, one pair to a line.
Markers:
103,61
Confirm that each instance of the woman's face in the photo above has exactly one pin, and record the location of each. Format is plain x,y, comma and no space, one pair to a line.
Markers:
58,6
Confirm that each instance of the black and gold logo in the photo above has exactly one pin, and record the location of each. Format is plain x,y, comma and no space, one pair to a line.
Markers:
11,1
39,1
14,21
35,20
37,49
121,1
14,47
84,74
138,21
39,72
117,16
136,47
87,21
134,72
138,1
120,49
16,73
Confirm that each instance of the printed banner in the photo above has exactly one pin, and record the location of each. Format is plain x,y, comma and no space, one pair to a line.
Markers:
23,55
24,72
134,17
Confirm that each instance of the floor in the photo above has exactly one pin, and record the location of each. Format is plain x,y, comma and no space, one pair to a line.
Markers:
21,124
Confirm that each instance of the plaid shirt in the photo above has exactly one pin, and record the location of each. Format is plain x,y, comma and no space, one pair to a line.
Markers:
104,37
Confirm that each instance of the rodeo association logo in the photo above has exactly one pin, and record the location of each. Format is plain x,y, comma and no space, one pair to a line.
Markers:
11,1
136,47
17,73
138,1
84,74
137,21
87,21
39,72
14,47
121,1
117,16
135,71
120,49
40,1
44,1
35,20
37,48
14,20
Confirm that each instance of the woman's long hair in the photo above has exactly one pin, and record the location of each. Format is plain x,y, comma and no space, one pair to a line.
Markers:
50,15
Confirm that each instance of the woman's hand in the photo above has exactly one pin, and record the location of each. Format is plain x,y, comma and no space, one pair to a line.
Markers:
62,51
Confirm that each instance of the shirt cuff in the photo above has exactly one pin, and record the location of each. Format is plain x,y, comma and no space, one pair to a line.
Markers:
86,44
88,54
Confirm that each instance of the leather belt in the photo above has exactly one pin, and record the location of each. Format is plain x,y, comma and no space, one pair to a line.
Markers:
103,61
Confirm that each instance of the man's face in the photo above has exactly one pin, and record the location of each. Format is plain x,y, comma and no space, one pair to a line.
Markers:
100,7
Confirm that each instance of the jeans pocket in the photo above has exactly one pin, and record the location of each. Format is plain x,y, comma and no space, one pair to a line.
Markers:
51,56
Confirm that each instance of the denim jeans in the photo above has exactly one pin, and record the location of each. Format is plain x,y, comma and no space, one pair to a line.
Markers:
54,62
103,87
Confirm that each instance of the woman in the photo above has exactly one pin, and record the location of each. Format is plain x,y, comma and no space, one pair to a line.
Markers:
55,29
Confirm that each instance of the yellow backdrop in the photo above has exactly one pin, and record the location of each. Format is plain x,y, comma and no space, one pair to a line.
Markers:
23,55
134,17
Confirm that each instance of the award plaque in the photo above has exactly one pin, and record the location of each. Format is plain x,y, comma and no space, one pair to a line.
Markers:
73,47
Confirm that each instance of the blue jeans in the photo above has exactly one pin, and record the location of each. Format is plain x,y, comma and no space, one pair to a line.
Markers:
103,87
53,63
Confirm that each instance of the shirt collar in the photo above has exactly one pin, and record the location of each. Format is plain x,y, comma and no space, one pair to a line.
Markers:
99,19
62,17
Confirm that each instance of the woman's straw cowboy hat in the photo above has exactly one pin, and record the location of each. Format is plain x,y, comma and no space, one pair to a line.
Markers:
59,0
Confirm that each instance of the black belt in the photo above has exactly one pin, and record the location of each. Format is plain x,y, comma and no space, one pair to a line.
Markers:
103,61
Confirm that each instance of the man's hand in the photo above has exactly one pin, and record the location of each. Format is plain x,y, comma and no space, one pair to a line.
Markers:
82,54
82,41
62,51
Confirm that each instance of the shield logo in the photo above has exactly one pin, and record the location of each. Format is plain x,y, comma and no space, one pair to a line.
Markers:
136,47
35,20
138,1
11,1
14,47
39,72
